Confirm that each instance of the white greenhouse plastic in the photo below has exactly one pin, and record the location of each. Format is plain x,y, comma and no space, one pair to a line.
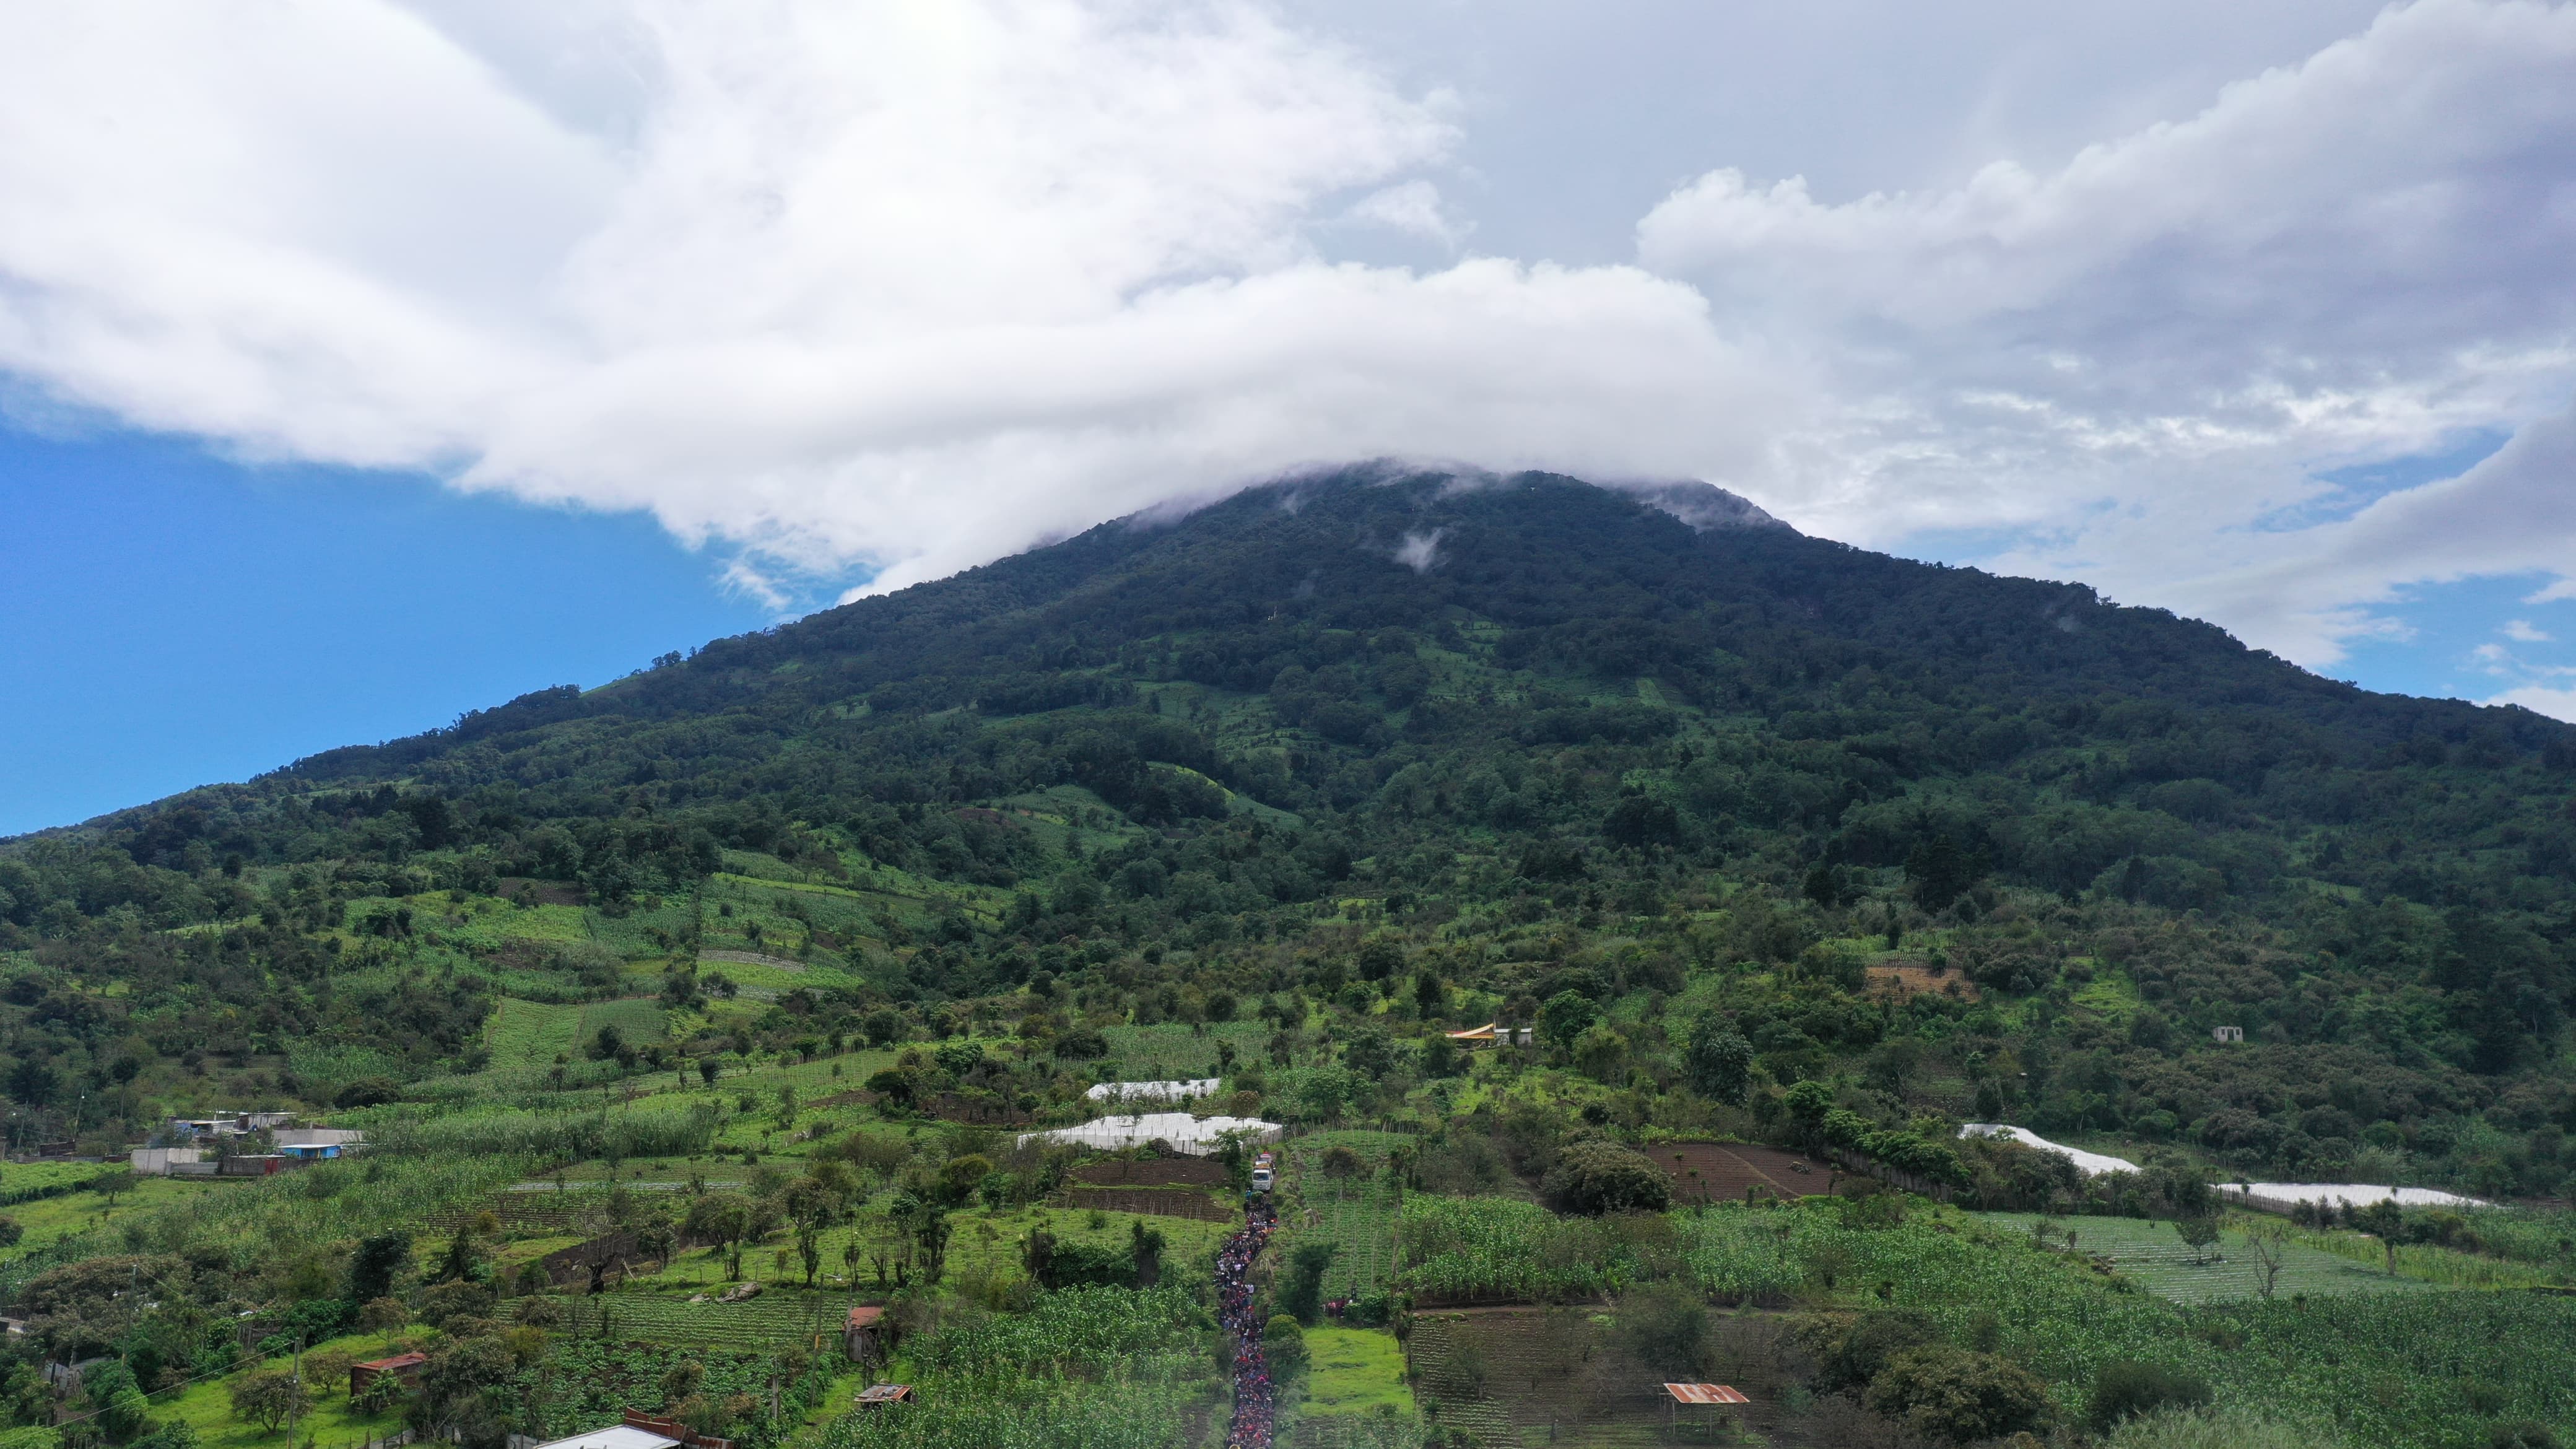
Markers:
1194,1136
1125,1092
2091,1164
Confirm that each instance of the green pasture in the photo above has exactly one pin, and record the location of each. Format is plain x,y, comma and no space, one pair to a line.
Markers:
206,1408
2154,1255
1355,1371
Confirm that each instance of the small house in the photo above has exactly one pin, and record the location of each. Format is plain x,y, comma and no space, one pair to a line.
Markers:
863,1336
620,1436
2227,1034
668,1431
259,1166
316,1144
403,1366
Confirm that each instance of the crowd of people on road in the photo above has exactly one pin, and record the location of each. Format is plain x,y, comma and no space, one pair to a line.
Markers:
1253,1396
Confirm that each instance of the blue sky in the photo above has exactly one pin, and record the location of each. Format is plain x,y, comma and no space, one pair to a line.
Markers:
169,619
2256,313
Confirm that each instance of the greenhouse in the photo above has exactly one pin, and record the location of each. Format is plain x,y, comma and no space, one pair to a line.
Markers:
1195,1136
2091,1164
1124,1092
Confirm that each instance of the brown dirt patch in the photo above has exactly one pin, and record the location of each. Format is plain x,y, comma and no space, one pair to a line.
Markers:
1728,1171
1901,979
1150,1172
1169,1202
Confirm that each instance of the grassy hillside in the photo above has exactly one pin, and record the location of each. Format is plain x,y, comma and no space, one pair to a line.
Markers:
1773,841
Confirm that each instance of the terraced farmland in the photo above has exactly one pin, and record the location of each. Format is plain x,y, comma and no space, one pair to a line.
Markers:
1558,1376
1356,1214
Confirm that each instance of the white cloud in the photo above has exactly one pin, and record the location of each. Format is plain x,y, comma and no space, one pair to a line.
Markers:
2541,699
908,284
2556,591
916,285
1420,551
1412,208
2143,355
2523,631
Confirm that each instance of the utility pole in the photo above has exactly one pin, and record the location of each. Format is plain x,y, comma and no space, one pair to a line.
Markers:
295,1391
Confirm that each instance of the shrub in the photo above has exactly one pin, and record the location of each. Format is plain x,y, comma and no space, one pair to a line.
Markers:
383,1315
1948,1393
1301,1291
1850,1353
2124,1389
1283,1345
1596,1176
1664,1328
367,1092
2239,1427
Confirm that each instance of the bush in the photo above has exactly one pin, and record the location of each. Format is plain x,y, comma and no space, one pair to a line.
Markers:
2231,1428
1948,1393
2125,1389
367,1092
1664,1328
1851,1353
1595,1176
1301,1289
1283,1345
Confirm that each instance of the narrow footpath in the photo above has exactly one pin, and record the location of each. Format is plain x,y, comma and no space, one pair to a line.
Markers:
1253,1398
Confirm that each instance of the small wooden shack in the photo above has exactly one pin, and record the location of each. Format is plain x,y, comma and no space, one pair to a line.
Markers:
1715,1397
863,1337
877,1396
404,1366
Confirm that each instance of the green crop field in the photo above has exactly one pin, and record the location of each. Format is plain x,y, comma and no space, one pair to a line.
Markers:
2157,1258
777,1319
1170,1049
529,1033
1356,1214
532,1034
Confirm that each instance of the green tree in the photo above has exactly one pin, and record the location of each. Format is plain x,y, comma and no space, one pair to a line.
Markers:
265,1396
1718,1060
1595,1176
1947,1393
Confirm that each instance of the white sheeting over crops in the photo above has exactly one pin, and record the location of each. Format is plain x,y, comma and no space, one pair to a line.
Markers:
2091,1164
2358,1194
1124,1092
1195,1136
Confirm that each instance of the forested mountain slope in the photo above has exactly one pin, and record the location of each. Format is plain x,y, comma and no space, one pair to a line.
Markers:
1423,751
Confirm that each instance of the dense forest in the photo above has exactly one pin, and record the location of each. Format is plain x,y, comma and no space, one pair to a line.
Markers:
1722,808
